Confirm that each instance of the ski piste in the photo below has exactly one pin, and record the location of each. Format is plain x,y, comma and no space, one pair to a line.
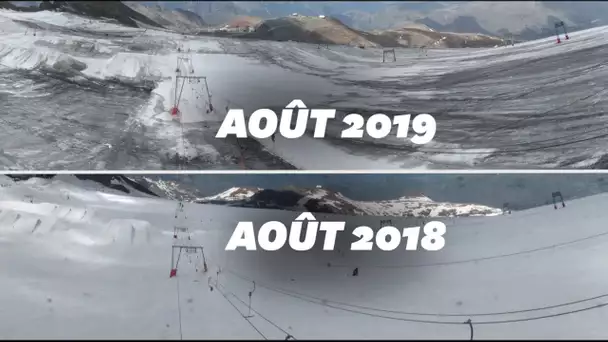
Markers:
81,261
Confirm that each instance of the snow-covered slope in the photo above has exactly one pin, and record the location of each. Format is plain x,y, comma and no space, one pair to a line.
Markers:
82,264
120,183
234,194
477,88
114,10
299,199
325,200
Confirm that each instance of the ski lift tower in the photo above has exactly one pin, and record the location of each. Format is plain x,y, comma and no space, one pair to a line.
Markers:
509,39
388,53
180,82
184,245
179,209
557,27
181,231
187,62
190,250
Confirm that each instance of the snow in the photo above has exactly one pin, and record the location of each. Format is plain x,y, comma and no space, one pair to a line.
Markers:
420,206
106,274
234,194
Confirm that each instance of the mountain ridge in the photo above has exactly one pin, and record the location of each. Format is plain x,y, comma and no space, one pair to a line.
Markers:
525,20
314,29
316,200
327,201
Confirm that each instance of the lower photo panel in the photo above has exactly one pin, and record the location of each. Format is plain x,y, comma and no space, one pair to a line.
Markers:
304,256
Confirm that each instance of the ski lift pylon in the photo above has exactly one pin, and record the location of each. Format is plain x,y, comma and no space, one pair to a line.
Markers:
557,27
186,249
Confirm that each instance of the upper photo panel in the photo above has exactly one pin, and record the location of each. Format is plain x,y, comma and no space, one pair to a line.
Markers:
224,85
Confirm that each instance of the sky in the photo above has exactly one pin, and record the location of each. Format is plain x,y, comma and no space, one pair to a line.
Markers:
520,190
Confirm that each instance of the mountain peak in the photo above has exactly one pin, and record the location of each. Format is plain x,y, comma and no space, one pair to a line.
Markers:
324,200
417,197
235,194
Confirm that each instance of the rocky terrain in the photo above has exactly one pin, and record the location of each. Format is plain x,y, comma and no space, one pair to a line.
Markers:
328,201
316,200
317,29
416,36
526,20
131,14
522,20
116,182
116,10
7,5
313,30
330,30
179,20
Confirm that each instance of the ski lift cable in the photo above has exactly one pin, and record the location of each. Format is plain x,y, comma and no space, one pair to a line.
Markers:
179,309
219,286
238,143
256,312
499,256
463,261
181,123
543,308
326,304
239,311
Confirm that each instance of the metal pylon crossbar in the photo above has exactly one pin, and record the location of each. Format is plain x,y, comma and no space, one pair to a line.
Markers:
390,52
178,229
176,253
187,61
191,79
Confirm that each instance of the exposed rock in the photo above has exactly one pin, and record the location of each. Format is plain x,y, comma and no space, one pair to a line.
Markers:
326,201
68,64
7,5
179,20
100,9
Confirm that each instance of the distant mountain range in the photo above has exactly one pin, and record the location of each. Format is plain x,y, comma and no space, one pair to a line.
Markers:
7,5
178,19
315,29
131,13
328,201
317,200
524,19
